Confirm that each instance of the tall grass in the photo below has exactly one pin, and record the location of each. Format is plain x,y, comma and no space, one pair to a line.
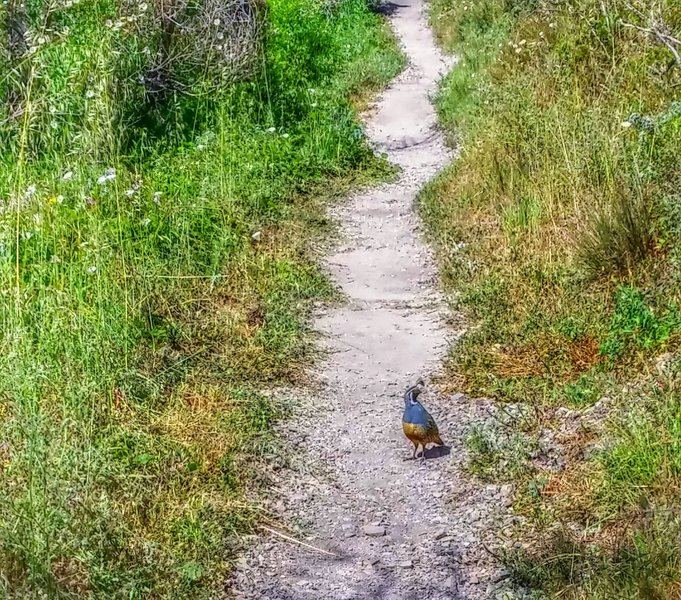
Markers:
555,228
156,269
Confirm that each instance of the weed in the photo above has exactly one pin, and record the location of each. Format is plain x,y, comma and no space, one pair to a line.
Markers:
619,238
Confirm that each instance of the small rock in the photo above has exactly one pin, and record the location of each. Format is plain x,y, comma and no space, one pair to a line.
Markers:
406,564
374,530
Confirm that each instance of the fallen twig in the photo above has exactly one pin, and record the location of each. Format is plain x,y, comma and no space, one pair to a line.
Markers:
296,541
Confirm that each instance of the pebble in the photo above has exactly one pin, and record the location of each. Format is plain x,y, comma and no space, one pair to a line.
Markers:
374,530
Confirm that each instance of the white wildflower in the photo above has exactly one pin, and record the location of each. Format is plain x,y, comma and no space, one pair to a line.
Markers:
54,259
146,222
626,124
271,129
67,176
90,94
37,219
256,236
60,199
30,191
144,6
109,175
157,197
92,269
216,22
284,135
26,235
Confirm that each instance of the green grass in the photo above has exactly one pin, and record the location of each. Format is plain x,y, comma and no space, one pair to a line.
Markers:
156,269
557,230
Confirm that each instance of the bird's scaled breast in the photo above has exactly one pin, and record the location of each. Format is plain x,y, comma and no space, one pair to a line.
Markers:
414,431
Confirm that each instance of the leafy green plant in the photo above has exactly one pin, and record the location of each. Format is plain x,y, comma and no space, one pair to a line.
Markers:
635,325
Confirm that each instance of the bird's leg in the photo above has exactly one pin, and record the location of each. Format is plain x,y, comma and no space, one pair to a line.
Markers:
416,447
423,451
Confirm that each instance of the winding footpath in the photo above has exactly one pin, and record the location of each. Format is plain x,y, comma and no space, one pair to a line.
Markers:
398,529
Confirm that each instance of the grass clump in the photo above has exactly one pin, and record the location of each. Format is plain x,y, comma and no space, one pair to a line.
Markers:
556,233
156,269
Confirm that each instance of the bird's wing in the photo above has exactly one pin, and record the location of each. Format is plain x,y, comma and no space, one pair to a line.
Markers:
432,425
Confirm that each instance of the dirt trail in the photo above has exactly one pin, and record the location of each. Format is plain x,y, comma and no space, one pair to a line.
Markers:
401,528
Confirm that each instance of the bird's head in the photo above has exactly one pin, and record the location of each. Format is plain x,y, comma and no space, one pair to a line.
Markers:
411,395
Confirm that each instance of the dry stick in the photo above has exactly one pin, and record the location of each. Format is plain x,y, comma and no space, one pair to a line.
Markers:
669,41
666,40
296,541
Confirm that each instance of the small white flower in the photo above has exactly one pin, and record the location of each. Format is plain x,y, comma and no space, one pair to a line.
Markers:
130,193
626,124
256,236
144,6
30,191
92,269
313,105
522,42
216,22
200,147
109,175
271,129
41,40
146,222
157,197
67,176
284,135
90,94
55,259
109,23
552,25
60,199
37,218
26,235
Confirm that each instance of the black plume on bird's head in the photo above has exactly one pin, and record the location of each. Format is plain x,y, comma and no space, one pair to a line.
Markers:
411,395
